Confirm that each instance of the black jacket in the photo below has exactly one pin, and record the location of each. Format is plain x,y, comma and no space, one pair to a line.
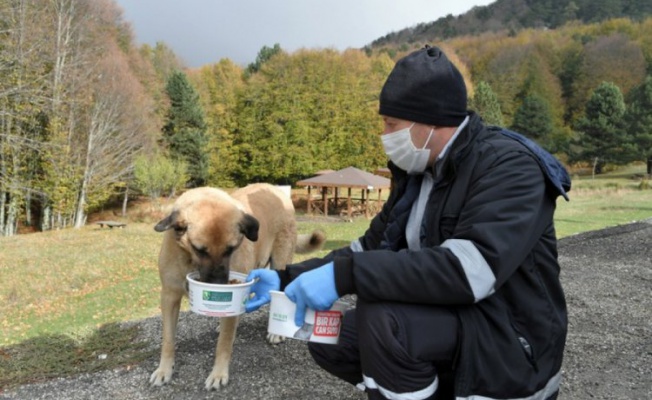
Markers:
488,250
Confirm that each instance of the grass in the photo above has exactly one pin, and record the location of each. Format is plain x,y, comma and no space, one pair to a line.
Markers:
63,294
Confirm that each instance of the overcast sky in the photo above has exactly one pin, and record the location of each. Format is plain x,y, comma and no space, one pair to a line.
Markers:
205,31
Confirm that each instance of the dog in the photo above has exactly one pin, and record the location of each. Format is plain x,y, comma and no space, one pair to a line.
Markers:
213,232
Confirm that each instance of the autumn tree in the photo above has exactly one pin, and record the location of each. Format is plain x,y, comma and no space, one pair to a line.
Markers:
219,87
21,100
118,131
156,175
185,130
308,111
609,58
264,55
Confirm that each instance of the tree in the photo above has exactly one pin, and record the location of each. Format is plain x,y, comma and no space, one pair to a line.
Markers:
219,86
601,137
638,121
533,120
311,110
485,103
185,130
156,175
614,58
264,55
118,131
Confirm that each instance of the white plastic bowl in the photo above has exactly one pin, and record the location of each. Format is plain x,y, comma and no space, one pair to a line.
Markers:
319,326
215,300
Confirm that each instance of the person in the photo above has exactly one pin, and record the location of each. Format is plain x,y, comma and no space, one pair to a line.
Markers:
456,280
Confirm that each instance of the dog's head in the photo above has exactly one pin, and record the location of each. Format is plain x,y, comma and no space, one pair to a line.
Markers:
210,226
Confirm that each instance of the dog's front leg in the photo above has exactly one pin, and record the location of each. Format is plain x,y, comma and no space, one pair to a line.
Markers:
170,304
220,374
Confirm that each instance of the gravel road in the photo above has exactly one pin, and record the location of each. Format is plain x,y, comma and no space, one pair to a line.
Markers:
607,276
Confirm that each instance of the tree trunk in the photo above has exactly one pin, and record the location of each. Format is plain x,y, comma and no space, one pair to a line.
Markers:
649,166
595,166
124,202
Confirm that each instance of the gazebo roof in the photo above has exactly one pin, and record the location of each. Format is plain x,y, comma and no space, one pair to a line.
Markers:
349,177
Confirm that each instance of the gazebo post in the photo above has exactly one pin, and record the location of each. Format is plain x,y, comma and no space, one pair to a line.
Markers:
309,200
324,197
365,202
337,195
348,203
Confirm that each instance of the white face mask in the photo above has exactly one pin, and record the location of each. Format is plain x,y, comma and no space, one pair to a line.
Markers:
400,149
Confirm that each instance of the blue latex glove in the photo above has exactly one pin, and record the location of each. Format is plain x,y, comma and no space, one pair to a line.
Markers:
266,280
314,289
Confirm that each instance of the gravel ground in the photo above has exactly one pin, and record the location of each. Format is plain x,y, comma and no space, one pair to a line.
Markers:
607,276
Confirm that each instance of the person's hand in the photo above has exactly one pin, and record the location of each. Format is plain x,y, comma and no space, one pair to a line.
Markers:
314,289
266,280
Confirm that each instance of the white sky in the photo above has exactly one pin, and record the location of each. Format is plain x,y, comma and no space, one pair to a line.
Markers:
205,31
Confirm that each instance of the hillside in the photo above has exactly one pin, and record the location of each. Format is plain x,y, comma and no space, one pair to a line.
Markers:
515,15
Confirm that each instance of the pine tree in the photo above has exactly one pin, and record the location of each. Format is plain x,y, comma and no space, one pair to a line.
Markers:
185,130
638,120
533,119
486,104
602,138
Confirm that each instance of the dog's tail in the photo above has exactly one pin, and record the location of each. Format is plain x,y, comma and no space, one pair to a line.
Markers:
309,242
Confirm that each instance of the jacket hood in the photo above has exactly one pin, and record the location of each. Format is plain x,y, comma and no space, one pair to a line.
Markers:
555,172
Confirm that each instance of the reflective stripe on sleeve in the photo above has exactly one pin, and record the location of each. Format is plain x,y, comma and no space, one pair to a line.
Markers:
478,273
356,246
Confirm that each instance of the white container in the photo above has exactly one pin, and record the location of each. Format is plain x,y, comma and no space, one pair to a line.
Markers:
319,326
215,300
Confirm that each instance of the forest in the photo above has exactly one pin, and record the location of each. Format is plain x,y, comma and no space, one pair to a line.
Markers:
89,117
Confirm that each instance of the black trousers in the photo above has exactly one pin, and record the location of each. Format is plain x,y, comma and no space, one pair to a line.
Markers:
397,350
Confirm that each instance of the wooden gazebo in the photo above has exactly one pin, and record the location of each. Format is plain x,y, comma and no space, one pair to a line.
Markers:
349,178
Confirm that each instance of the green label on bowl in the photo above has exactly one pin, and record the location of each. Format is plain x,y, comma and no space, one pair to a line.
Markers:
207,295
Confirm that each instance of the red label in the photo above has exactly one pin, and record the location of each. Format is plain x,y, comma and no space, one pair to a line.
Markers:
327,323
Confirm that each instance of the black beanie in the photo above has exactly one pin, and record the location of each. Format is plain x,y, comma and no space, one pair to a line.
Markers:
425,87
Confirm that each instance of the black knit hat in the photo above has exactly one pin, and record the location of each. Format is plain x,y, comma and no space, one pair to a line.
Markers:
425,87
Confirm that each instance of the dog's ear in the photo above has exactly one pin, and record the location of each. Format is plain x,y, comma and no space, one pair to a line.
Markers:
167,222
249,227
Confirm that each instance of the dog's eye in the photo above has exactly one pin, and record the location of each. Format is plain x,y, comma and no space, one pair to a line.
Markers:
229,250
180,230
200,250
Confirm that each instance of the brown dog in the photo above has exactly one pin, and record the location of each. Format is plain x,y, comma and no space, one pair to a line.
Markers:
213,232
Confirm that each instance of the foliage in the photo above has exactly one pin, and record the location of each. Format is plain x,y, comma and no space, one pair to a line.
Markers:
157,175
485,103
533,120
638,121
220,86
515,16
185,129
264,55
309,111
79,102
602,138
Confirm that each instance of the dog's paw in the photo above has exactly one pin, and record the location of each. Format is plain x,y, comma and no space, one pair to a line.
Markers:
219,377
161,376
275,339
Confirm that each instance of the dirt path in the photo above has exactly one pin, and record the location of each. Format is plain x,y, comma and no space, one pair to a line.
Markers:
607,276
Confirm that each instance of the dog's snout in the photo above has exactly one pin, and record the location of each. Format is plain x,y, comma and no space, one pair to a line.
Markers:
218,275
